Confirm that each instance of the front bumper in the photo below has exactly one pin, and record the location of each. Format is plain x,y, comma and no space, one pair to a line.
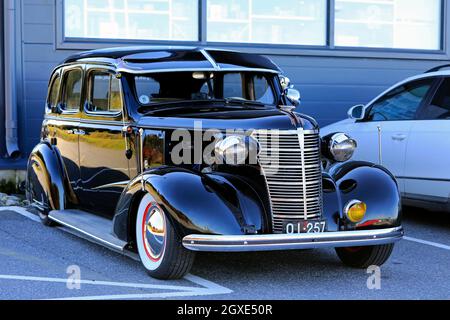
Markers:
270,242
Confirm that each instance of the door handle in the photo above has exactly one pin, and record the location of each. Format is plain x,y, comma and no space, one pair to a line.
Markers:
399,137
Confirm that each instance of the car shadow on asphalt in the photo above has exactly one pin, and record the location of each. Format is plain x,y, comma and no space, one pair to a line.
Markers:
425,217
261,264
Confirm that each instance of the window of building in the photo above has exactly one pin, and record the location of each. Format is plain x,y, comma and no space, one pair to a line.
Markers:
329,24
402,103
267,21
105,93
72,91
132,19
398,24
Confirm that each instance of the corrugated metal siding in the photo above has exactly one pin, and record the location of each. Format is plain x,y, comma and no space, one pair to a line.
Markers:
2,85
329,85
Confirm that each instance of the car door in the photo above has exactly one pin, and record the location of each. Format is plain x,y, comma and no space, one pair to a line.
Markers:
103,163
65,127
427,168
390,117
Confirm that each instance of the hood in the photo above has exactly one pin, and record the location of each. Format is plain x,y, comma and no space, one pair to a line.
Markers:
244,119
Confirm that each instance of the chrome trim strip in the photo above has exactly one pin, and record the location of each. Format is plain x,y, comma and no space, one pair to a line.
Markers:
149,71
301,141
122,184
88,121
270,242
210,59
285,132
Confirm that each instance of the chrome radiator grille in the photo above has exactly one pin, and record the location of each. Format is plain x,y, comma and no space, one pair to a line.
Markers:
290,161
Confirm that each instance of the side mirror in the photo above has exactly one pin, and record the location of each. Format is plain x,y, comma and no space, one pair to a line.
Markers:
357,112
293,96
285,83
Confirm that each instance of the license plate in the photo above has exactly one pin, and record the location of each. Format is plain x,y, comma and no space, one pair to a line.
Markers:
304,226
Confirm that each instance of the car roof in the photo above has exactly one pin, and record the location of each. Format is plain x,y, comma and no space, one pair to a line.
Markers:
146,59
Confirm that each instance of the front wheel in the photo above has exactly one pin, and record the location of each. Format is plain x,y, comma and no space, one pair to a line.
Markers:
364,257
159,247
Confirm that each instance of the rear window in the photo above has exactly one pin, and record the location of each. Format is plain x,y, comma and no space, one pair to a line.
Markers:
54,93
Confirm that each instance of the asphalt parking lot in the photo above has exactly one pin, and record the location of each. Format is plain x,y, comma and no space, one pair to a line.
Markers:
38,262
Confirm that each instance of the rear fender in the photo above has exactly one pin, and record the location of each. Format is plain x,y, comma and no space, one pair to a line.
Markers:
46,179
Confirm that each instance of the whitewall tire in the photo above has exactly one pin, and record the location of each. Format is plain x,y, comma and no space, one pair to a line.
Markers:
159,247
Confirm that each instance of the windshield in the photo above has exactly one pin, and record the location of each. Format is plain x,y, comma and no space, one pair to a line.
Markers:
237,87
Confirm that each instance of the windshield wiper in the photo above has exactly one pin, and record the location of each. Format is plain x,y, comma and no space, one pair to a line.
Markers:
230,103
189,104
245,102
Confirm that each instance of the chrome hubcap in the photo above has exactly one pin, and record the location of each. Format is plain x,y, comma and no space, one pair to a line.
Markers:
154,232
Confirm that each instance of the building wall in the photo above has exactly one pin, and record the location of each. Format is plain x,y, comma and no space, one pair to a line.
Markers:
2,85
329,85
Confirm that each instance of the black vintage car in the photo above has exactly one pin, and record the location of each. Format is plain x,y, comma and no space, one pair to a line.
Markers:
159,153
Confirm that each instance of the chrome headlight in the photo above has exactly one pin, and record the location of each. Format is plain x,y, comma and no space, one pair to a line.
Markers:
236,149
341,147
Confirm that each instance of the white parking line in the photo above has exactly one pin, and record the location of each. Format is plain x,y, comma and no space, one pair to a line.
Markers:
136,296
205,288
23,212
208,288
101,283
428,243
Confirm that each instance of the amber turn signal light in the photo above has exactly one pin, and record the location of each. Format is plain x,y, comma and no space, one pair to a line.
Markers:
355,210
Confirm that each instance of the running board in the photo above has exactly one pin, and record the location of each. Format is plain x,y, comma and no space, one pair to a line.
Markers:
89,226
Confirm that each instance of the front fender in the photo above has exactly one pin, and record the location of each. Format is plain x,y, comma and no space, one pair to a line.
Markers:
45,178
370,183
196,203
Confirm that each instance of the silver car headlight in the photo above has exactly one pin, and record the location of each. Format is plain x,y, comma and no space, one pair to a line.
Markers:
341,147
236,149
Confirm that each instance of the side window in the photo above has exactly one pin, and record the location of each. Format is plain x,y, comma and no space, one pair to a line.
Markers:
72,91
115,104
52,100
401,103
105,93
439,108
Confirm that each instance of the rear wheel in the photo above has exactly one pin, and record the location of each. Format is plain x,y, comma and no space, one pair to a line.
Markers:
159,247
38,200
364,257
